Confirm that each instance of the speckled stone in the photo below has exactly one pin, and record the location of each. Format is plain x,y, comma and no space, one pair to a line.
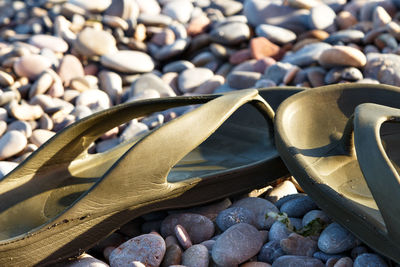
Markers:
196,256
236,245
298,261
336,239
128,61
199,227
260,207
369,259
235,215
148,249
298,207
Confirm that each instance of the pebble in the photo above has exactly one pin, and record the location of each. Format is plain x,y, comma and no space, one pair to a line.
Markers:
383,67
236,245
199,227
91,42
128,61
190,79
344,262
148,249
31,66
182,236
179,10
53,43
357,251
132,130
326,257
261,47
95,99
336,239
151,81
40,136
255,264
178,66
21,126
275,34
298,261
342,56
11,143
235,215
86,260
321,17
70,68
6,79
296,244
307,55
314,214
298,207
196,256
369,259
111,83
242,79
231,33
95,6
345,36
270,251
260,207
278,231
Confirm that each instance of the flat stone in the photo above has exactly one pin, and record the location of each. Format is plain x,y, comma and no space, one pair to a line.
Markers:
190,79
261,47
307,55
151,81
70,68
231,33
242,79
342,56
326,257
336,239
41,85
40,136
345,36
321,17
383,67
111,83
260,207
199,227
270,251
275,34
235,215
91,42
128,61
21,126
86,260
179,10
31,66
209,86
95,99
95,6
299,245
154,19
236,245
53,43
298,207
299,261
11,143
165,37
25,112
196,256
178,66
148,249
281,190
277,72
172,50
369,259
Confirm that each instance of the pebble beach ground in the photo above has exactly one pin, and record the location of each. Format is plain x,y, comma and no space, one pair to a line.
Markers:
62,60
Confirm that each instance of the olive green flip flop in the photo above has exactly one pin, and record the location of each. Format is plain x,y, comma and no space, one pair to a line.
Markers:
342,144
62,200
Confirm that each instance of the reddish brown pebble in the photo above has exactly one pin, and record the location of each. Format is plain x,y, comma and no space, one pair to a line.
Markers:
198,25
345,20
182,236
240,56
261,47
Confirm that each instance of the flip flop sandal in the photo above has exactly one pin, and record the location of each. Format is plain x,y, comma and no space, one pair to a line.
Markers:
62,200
342,144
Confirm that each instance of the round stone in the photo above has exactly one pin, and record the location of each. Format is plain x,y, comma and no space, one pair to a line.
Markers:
260,207
53,43
278,231
128,61
40,136
276,34
179,10
235,215
190,79
151,81
243,79
336,239
92,42
231,33
270,251
196,256
21,126
342,56
236,245
11,143
199,227
70,68
315,214
321,17
31,66
344,262
148,249
173,255
369,259
290,260
299,245
95,99
298,207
